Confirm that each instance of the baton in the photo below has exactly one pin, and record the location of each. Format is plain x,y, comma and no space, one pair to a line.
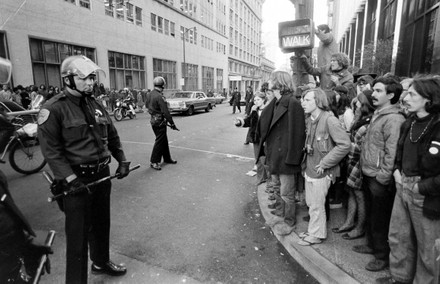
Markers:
58,196
49,241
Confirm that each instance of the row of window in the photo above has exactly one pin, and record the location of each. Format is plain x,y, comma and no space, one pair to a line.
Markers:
81,3
240,68
125,70
124,11
162,25
221,48
243,55
206,42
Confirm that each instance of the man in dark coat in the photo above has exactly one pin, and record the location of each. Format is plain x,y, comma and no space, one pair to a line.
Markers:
236,98
282,131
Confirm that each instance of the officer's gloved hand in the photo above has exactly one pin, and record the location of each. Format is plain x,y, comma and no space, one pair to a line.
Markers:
34,251
174,127
75,186
123,169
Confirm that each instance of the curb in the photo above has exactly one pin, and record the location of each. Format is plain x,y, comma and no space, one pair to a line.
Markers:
317,265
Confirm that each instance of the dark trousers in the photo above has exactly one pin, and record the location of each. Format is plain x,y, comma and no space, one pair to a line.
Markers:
236,105
160,148
379,205
87,225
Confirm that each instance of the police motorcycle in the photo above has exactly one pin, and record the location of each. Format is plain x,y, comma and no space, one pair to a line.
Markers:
124,107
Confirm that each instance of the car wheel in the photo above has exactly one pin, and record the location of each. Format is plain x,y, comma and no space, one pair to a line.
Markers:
190,111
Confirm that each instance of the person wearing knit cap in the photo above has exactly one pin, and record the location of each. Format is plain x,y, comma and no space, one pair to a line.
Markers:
415,219
364,83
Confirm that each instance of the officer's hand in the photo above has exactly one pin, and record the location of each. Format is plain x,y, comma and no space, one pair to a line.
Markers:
34,251
174,127
123,169
75,186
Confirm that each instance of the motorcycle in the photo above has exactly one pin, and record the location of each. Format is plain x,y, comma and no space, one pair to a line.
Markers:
124,108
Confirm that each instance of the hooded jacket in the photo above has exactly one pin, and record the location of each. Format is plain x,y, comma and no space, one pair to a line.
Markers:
379,148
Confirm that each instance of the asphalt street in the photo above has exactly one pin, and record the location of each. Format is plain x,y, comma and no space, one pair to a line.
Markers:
194,222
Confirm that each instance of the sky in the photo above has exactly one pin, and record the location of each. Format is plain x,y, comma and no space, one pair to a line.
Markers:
275,11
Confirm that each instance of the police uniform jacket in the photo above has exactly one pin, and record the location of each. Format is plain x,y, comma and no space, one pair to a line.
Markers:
157,105
67,140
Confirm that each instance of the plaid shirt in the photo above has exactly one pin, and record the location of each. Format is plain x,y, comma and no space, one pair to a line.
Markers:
354,172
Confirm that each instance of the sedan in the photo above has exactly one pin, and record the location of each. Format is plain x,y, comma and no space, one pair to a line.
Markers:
189,102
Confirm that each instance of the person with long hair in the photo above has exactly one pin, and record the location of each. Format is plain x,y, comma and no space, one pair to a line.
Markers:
415,218
334,74
356,198
327,143
282,130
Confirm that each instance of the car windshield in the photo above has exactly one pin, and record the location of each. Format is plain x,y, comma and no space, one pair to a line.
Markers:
182,95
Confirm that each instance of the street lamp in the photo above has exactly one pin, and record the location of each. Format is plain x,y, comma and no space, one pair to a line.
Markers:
184,60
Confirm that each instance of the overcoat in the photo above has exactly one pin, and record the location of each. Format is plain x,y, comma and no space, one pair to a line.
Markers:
282,130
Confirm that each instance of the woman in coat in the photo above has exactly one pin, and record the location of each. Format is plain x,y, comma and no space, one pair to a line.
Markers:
356,198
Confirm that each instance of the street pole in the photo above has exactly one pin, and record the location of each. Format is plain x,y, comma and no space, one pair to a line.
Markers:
184,59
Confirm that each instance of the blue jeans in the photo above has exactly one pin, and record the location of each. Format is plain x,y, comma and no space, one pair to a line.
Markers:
412,236
284,189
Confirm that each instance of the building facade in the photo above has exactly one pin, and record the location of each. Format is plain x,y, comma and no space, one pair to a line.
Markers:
411,28
244,56
185,41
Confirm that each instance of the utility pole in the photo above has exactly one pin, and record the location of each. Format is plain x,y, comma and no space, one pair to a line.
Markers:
303,10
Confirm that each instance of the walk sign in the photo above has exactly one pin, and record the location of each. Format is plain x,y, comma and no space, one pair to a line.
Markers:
294,35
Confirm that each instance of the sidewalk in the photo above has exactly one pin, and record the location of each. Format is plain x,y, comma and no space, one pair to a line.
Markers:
332,261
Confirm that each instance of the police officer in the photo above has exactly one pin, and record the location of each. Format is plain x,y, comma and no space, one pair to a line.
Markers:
77,137
160,116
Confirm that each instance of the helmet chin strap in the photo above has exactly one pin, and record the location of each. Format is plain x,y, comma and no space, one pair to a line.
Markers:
72,86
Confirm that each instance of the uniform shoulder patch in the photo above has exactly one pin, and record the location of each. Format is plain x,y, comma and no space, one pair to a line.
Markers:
43,115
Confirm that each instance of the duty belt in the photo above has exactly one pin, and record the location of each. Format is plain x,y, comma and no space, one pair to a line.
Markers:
91,168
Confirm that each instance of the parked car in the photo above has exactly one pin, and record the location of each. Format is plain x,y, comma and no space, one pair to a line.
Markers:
189,102
219,98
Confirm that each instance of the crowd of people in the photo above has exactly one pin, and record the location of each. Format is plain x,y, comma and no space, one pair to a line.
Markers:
369,142
33,97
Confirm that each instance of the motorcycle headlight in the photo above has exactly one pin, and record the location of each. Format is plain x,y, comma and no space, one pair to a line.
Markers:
118,104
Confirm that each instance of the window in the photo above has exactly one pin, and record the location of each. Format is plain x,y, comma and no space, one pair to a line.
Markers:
207,78
109,8
190,75
120,10
219,79
84,3
138,16
126,70
153,22
71,1
166,69
172,29
46,57
167,27
129,13
160,24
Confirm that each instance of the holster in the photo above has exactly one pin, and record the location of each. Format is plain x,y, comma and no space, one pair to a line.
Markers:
157,119
56,188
